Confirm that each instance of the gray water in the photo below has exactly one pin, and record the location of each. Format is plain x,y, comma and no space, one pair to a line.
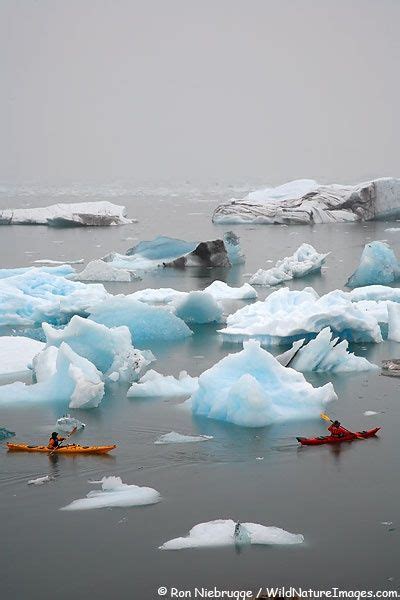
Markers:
336,497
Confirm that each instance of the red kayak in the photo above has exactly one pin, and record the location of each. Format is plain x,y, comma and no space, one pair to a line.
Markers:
330,439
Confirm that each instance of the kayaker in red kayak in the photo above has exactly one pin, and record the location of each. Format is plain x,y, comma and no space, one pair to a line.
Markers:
337,430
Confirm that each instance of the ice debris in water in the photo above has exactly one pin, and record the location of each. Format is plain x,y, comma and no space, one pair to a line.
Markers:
325,353
378,265
101,213
37,295
178,438
62,376
304,261
222,291
17,353
63,270
287,315
221,532
50,261
251,388
232,244
370,413
155,384
5,433
110,349
114,493
68,424
41,480
146,323
99,270
198,307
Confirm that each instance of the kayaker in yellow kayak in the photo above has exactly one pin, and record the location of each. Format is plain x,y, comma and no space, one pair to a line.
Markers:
54,441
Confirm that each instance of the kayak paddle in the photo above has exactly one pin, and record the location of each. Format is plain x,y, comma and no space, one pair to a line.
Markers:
326,418
64,440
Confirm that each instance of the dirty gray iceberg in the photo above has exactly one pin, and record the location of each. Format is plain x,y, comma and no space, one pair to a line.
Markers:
304,201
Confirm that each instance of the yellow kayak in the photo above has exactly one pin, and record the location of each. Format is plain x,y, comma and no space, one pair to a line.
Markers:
70,449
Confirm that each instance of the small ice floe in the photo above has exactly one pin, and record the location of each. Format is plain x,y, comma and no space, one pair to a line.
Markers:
5,433
387,523
378,266
222,533
68,424
155,384
370,413
178,438
49,261
114,493
259,458
41,480
393,229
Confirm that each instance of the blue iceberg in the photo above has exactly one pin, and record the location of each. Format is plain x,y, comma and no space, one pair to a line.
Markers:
378,265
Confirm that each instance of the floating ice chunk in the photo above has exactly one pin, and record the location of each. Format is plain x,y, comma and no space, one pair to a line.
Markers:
63,270
50,261
324,353
79,213
68,424
16,354
378,265
114,493
376,293
198,307
99,270
41,480
285,358
251,388
36,295
109,349
393,310
232,244
178,438
221,291
5,433
305,201
155,384
222,533
370,413
72,379
391,367
146,323
304,261
157,296
287,315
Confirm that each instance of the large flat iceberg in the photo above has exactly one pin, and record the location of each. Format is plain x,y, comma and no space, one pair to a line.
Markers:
114,494
305,201
76,214
304,261
221,532
252,389
378,266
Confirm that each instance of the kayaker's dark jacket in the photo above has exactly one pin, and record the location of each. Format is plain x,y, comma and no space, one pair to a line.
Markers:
337,431
54,442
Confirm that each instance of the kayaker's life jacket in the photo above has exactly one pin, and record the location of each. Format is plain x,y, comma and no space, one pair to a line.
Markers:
337,431
54,443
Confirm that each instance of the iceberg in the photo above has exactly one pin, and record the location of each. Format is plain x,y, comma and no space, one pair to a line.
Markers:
35,296
146,323
98,270
304,261
393,321
67,424
391,367
62,270
60,215
67,377
17,353
221,532
325,353
5,433
179,438
109,349
252,389
304,201
113,494
155,384
222,291
378,265
157,295
232,245
198,307
288,315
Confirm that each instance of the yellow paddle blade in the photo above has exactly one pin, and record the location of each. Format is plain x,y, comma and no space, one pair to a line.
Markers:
325,417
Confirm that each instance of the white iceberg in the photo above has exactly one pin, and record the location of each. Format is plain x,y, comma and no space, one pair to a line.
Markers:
146,323
370,413
17,353
155,384
288,315
113,494
252,389
62,376
221,532
157,295
108,348
304,201
50,261
178,438
326,353
222,291
79,214
304,261
98,270
68,424
378,266
36,296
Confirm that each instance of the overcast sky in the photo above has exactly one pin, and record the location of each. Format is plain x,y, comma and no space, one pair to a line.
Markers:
94,90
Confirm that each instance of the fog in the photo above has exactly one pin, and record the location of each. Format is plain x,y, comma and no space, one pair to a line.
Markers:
218,90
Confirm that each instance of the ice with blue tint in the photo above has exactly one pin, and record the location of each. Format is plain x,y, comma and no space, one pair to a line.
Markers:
67,424
155,384
36,295
198,307
251,388
63,376
151,254
326,353
232,245
5,433
146,323
60,271
376,293
378,265
288,315
304,261
109,349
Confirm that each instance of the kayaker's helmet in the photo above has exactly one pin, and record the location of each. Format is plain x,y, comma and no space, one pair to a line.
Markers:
336,424
54,435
